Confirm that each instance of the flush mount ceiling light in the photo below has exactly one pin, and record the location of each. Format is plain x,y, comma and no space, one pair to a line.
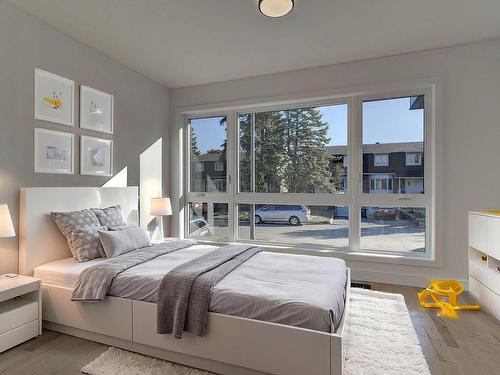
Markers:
275,8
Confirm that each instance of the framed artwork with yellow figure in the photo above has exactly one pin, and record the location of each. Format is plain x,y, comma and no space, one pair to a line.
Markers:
54,98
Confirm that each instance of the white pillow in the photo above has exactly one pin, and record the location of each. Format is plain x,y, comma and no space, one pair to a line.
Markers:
123,241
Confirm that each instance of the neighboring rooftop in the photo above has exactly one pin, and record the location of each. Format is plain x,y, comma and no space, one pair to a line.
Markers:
381,148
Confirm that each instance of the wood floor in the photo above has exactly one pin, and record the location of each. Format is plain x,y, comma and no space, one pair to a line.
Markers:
467,346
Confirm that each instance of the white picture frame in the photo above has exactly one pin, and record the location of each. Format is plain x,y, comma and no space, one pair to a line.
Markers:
96,156
96,110
54,98
54,152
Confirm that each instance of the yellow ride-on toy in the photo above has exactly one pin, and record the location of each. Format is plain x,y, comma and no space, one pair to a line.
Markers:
449,290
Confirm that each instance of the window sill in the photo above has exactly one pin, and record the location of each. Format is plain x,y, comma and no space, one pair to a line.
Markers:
344,253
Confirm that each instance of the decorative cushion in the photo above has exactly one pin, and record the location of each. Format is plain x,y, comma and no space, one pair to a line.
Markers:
123,241
68,222
86,243
110,217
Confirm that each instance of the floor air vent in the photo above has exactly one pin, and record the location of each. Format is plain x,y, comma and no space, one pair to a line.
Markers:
361,285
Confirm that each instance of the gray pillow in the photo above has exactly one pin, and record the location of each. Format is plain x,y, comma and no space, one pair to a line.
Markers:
68,222
123,241
86,243
110,216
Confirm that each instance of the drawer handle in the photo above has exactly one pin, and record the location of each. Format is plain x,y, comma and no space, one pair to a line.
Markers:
498,268
484,258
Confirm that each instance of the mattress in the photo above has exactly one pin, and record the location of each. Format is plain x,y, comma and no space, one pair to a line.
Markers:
298,290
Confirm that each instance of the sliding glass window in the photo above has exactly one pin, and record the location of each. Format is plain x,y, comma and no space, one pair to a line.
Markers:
350,175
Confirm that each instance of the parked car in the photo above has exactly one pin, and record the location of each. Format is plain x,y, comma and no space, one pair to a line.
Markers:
294,214
379,213
198,227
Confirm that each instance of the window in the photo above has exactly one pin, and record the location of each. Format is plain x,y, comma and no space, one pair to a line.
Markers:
219,166
293,151
392,130
198,166
395,126
393,229
297,171
381,160
319,226
208,220
207,145
413,158
381,184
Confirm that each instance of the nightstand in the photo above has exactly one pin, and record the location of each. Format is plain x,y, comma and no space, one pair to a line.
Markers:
20,310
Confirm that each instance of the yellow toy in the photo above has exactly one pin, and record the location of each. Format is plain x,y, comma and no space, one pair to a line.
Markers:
450,290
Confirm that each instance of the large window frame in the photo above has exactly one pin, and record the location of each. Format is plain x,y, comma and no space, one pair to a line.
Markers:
354,197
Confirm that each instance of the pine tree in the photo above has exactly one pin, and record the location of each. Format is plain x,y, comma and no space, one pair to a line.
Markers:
290,153
308,160
270,152
245,166
195,151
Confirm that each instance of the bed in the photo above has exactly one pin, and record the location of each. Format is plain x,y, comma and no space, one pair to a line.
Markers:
253,335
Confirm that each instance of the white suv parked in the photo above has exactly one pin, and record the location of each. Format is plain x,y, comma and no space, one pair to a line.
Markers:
295,214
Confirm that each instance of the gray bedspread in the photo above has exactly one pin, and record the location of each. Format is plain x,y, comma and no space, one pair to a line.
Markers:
94,282
185,292
297,290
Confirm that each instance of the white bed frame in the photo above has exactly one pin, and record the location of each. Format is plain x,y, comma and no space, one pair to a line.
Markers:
232,345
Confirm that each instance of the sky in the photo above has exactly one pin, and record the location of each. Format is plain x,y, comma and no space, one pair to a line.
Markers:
384,121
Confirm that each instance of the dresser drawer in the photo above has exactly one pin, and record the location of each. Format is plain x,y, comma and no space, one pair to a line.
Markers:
17,312
478,238
487,299
494,281
18,335
479,272
493,232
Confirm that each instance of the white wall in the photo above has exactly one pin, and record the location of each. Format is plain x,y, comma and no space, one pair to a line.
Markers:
468,152
140,111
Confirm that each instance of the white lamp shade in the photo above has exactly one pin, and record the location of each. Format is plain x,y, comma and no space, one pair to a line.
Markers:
161,207
6,227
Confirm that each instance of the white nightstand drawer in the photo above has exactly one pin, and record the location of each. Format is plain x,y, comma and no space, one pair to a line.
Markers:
17,312
18,335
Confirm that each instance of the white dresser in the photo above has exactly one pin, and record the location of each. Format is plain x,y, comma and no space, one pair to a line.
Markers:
484,260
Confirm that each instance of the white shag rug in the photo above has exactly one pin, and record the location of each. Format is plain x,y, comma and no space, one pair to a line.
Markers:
380,340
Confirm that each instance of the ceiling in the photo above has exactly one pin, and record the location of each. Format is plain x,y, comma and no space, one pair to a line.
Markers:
190,42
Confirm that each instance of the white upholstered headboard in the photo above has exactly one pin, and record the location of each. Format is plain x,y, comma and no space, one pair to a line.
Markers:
40,241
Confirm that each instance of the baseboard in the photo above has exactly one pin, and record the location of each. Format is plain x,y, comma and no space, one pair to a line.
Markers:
419,281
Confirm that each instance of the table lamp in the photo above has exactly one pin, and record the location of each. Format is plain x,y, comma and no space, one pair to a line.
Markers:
6,227
161,207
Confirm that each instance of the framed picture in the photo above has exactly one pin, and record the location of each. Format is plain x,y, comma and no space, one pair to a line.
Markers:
54,98
54,152
96,156
96,110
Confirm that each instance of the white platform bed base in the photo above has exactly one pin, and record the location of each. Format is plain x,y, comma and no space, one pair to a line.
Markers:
232,345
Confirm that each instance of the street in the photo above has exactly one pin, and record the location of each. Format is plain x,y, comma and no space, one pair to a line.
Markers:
388,235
